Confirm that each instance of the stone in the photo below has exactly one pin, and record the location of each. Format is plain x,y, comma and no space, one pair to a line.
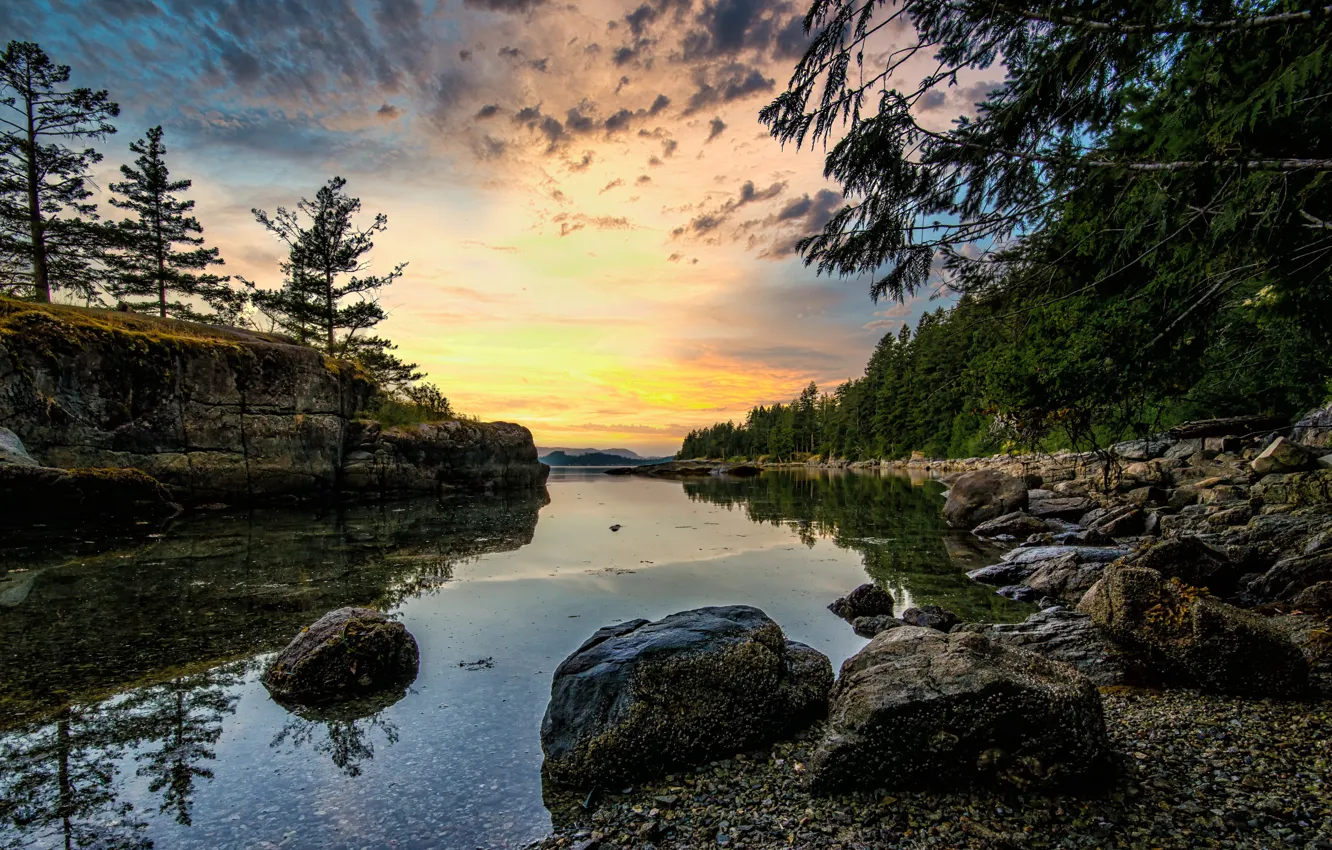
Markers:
346,654
1083,554
1315,597
53,497
931,617
1222,445
640,698
1309,634
868,627
434,457
1300,489
1064,635
1002,573
1060,507
1064,578
1193,562
983,495
1289,576
12,451
1193,639
1314,428
917,708
867,600
1020,593
1284,456
1148,495
1147,449
1014,524
1185,449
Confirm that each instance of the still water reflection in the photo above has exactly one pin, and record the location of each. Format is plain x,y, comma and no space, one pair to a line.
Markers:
131,713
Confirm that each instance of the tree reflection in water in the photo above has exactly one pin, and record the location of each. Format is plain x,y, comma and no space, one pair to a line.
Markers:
341,732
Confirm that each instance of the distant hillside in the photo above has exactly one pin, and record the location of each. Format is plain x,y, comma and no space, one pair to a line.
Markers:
559,457
628,453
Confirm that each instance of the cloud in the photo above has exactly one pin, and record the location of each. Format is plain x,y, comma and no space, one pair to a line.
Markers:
659,104
490,110
511,7
715,128
799,218
617,182
706,223
639,19
731,82
388,112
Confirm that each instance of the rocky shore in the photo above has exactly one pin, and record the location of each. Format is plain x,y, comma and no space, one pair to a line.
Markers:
1174,690
213,415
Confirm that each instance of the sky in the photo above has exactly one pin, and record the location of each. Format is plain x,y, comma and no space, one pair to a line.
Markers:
599,231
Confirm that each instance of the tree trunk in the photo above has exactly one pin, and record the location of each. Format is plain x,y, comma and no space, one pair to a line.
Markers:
328,292
161,264
41,282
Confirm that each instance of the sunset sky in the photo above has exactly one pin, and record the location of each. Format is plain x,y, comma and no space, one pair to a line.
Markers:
598,229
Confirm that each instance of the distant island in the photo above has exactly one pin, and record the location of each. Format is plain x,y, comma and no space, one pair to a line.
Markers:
595,457
629,453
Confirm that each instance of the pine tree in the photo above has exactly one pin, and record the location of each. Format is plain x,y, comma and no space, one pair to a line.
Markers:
148,262
47,223
326,298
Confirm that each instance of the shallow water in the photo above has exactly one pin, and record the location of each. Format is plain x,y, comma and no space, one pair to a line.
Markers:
130,708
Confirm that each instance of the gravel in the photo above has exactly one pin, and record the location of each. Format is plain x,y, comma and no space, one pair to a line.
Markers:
1198,771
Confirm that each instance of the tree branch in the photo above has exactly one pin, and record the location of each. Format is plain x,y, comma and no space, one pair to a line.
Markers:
1169,27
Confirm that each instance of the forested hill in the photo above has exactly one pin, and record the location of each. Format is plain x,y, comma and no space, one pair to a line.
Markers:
562,458
938,389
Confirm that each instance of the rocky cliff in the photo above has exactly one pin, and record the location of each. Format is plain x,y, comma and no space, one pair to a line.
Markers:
214,414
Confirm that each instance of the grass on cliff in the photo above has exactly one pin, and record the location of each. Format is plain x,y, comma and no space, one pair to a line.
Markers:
23,316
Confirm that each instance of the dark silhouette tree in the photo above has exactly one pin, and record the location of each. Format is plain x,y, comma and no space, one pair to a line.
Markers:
327,299
148,262
46,220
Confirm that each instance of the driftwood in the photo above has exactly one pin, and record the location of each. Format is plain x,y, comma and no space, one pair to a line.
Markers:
1229,426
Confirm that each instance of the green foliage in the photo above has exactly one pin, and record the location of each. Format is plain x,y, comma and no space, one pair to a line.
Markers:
412,405
148,263
49,234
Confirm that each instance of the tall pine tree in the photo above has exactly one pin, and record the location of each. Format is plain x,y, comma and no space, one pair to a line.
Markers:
148,263
47,224
326,298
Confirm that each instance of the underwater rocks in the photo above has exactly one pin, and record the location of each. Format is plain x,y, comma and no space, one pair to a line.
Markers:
918,708
53,497
640,698
346,654
976,497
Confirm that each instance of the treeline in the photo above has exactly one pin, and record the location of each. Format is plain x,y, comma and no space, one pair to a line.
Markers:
54,241
1136,221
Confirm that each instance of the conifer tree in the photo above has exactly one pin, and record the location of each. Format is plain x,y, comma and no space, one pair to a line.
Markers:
46,220
149,264
327,299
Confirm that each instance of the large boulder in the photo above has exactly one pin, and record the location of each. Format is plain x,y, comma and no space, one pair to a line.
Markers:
1193,562
1289,576
346,654
1064,635
1194,639
1059,507
12,451
640,698
931,617
1282,456
867,600
1064,578
1299,489
1314,428
919,708
983,495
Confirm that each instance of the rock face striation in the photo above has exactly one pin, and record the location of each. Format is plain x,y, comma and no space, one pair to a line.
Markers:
220,414
918,708
345,654
640,698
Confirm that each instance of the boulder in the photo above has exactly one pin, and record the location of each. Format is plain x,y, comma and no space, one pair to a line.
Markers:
1083,554
868,600
12,451
48,496
1300,489
1060,507
640,698
1064,578
1002,573
1193,562
868,627
1289,576
1193,639
1315,597
346,654
1020,593
918,708
976,497
1185,449
1014,524
1147,449
931,617
1283,456
1064,635
1314,428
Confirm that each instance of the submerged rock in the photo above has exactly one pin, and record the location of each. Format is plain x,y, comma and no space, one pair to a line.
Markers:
345,654
918,708
640,698
51,496
868,600
976,497
1194,639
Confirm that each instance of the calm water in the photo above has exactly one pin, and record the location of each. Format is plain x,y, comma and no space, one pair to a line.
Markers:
131,713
